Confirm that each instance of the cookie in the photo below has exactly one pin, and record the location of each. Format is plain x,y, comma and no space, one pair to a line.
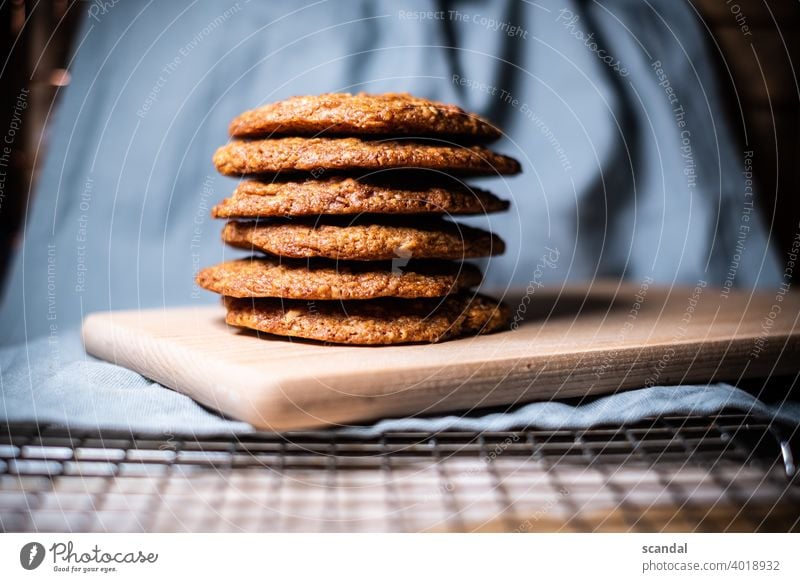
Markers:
372,322
271,277
362,114
297,154
359,241
342,195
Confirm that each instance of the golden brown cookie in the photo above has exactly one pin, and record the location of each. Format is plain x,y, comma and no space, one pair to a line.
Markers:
359,241
297,154
362,114
272,277
342,195
372,322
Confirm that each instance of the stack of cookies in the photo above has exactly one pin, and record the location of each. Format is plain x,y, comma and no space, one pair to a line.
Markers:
345,206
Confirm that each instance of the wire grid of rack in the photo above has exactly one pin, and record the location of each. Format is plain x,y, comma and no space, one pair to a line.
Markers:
729,472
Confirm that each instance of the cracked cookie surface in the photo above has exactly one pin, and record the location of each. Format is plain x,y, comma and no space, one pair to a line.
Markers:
272,277
344,195
362,114
372,322
319,154
359,241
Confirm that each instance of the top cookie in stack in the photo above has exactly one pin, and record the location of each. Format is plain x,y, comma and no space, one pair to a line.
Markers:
346,200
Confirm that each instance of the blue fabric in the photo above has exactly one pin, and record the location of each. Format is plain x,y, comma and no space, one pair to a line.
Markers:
613,178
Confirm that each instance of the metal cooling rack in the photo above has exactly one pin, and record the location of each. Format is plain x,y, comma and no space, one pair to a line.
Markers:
724,473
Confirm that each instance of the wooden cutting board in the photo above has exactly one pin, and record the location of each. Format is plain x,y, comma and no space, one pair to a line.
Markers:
572,342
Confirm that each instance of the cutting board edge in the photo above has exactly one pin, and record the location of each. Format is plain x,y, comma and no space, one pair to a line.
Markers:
263,402
736,368
101,339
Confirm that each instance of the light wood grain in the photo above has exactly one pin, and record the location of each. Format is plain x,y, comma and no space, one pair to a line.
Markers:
573,342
